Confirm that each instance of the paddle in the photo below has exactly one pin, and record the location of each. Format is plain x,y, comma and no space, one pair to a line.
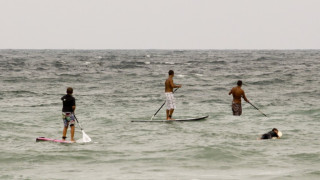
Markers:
257,109
161,106
85,137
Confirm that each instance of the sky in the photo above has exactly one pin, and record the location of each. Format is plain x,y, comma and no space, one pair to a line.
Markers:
159,24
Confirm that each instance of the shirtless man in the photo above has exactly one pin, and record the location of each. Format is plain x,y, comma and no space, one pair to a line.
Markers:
170,101
237,93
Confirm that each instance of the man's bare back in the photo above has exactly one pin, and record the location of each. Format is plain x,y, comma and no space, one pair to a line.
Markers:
169,85
237,94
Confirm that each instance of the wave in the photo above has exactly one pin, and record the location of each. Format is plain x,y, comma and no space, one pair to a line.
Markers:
217,154
18,93
267,81
311,156
128,65
262,58
218,62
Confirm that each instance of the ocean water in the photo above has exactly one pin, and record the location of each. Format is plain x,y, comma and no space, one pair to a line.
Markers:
113,87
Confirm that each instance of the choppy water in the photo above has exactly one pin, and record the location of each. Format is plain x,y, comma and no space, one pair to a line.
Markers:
113,87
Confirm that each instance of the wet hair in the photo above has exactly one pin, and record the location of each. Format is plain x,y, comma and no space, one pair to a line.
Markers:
274,129
171,72
69,90
239,83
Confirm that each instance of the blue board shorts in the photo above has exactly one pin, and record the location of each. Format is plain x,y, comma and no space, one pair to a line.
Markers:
68,119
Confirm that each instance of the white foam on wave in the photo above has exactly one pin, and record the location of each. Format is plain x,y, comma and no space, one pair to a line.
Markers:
87,63
147,62
181,75
79,141
169,62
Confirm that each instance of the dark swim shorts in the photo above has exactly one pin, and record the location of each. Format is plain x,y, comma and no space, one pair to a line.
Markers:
68,119
236,109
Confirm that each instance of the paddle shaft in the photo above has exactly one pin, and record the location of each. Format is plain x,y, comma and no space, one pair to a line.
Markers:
77,121
162,106
257,109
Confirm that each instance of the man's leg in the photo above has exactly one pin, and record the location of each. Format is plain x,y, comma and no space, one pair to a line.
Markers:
170,114
64,132
236,109
233,109
167,111
240,109
72,132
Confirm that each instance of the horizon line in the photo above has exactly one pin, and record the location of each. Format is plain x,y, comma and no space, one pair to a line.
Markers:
182,49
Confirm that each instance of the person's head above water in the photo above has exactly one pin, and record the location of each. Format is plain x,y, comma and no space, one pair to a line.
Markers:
69,90
171,73
275,130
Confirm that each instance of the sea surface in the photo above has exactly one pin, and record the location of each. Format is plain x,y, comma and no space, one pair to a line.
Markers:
113,87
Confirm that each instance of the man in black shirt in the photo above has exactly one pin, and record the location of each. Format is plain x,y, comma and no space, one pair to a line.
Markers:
69,105
271,134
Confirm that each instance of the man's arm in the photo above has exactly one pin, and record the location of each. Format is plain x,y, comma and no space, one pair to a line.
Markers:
230,91
244,97
178,86
173,85
73,105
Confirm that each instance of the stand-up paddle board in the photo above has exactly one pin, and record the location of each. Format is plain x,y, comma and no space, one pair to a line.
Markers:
52,140
188,119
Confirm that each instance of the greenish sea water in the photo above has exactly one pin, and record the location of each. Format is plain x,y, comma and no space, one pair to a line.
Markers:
113,87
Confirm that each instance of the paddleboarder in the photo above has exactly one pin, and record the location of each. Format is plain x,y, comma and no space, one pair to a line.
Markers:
170,101
237,94
69,106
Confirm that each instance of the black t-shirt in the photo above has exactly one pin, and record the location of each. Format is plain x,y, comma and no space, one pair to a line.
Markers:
68,101
273,134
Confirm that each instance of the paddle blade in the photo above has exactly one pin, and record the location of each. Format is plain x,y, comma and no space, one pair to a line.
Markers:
85,137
